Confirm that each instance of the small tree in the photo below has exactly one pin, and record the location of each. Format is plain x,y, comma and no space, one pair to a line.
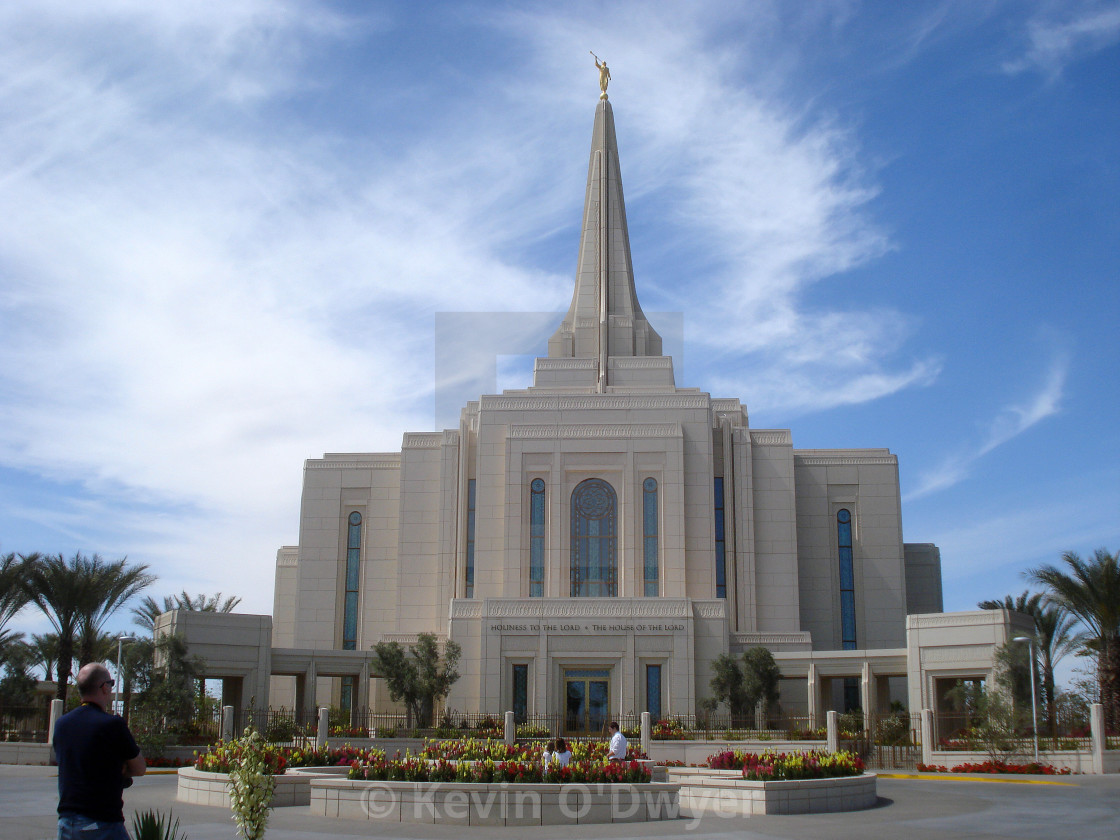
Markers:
760,678
419,677
742,685
727,684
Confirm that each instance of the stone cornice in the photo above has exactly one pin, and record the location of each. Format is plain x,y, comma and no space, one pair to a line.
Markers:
571,431
639,362
566,364
559,402
422,440
574,608
386,461
771,437
843,457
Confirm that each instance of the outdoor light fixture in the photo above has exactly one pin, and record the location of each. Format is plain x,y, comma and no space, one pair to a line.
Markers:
1034,705
120,682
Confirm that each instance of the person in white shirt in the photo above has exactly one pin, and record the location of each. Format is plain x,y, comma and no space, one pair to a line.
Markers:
617,751
562,755
548,754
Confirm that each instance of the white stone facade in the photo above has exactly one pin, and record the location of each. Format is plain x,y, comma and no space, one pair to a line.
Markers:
604,405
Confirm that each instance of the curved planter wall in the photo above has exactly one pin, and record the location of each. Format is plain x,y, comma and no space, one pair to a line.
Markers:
726,791
458,803
292,788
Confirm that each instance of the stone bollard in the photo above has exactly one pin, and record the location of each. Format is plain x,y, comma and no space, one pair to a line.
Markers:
56,713
227,723
324,727
1096,735
927,736
510,730
833,723
647,732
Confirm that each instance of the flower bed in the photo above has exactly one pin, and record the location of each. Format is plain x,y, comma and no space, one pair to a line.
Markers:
488,771
770,766
223,757
1031,769
476,749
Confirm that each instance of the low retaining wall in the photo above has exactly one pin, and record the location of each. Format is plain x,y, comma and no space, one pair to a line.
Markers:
1079,761
292,788
697,752
457,803
727,792
24,752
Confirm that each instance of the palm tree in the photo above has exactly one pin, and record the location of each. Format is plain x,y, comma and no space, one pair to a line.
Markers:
1054,638
78,595
13,598
111,585
60,590
150,609
1026,603
1090,590
44,652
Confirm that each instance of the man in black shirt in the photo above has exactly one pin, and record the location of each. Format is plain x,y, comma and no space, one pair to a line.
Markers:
97,758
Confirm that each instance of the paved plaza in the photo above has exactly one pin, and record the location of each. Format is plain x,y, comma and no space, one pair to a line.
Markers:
1080,807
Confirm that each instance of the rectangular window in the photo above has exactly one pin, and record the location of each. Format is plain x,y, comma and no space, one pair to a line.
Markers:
346,699
649,536
721,563
536,538
520,692
653,692
350,599
468,588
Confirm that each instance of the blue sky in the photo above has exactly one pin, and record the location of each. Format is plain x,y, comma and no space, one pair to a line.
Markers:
226,230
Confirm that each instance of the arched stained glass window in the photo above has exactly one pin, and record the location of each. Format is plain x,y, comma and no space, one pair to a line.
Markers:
847,579
649,536
536,538
350,601
594,565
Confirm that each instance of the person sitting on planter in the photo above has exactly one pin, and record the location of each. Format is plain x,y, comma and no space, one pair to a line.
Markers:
561,754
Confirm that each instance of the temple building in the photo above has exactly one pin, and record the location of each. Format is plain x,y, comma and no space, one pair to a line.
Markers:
594,541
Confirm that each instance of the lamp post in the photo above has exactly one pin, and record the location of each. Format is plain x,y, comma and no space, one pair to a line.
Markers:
1034,705
120,682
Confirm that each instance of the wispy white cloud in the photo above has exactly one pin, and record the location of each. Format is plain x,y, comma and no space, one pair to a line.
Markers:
200,287
1066,33
1009,423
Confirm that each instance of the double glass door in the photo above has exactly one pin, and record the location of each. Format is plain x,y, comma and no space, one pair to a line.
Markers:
588,701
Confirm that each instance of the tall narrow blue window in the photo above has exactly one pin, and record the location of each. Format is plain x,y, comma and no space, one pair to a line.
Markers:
536,538
346,698
653,692
649,535
353,559
847,579
520,692
468,588
594,564
721,561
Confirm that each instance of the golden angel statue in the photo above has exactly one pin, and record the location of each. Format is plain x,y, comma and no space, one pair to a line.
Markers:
604,75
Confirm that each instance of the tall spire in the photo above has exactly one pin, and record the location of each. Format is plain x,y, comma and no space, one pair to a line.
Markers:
605,319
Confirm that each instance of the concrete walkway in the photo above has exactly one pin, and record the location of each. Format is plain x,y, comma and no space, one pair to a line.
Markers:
1081,807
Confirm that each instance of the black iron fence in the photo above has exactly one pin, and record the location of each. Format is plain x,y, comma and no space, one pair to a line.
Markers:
28,724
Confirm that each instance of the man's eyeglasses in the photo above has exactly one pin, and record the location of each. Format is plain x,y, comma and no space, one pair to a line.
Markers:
109,683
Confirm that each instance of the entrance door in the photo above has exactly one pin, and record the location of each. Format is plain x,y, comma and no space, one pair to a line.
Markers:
588,701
